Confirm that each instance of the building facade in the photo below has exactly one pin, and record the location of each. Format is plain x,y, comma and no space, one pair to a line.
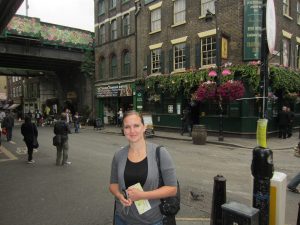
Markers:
183,38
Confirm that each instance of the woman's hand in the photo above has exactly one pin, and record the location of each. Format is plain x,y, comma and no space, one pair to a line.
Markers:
135,194
124,201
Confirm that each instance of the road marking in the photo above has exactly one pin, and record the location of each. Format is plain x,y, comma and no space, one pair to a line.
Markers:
192,219
8,154
23,150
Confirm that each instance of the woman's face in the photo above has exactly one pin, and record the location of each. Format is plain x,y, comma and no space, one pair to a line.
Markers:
133,128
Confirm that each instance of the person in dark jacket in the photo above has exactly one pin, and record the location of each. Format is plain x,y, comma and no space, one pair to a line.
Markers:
291,117
186,122
29,132
61,129
8,123
283,121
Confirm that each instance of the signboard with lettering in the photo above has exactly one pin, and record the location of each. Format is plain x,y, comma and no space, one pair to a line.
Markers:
252,29
114,91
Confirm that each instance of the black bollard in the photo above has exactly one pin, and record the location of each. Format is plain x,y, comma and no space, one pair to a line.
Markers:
262,170
218,199
298,219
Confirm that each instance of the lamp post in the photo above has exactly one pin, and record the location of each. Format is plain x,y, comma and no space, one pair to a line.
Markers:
264,81
209,17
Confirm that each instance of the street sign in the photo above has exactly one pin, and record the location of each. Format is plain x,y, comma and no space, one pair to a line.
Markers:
271,25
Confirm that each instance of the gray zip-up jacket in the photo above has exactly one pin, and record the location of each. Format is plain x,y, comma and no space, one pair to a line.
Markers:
152,182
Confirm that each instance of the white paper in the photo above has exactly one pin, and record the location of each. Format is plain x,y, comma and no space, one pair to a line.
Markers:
141,205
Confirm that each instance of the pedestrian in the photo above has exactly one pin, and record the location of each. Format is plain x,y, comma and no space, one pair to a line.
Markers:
37,117
8,123
292,186
291,117
76,122
61,129
120,117
283,122
136,164
29,132
186,122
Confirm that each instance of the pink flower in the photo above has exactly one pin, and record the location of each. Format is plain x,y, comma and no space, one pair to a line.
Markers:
206,91
231,90
226,72
212,73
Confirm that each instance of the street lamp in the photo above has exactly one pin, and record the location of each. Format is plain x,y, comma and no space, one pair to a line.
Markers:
209,17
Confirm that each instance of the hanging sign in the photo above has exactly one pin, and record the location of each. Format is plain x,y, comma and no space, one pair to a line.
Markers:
252,29
271,25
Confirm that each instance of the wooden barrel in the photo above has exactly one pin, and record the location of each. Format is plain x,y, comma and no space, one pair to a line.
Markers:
199,135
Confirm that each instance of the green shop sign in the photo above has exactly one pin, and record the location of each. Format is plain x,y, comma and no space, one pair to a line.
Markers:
252,29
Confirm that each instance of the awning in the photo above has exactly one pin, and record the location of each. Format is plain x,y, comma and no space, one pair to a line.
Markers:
13,106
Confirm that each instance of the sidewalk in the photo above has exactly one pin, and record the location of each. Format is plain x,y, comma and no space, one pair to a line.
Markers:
273,143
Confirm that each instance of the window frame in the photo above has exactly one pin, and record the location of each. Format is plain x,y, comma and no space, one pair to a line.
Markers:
102,34
113,30
286,7
101,68
126,26
288,53
113,66
101,10
156,69
112,4
298,12
178,12
154,21
126,63
207,5
181,57
210,51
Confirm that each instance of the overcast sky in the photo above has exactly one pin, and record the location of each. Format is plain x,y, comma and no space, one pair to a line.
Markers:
71,13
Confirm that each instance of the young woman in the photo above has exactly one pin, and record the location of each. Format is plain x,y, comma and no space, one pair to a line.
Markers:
136,163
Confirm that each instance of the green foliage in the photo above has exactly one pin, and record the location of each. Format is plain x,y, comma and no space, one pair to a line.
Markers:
187,82
88,65
284,79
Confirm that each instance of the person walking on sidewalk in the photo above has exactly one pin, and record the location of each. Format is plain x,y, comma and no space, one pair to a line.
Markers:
283,122
61,129
29,132
8,123
136,165
186,122
291,117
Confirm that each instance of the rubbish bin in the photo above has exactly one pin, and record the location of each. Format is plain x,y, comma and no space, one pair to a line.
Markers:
199,135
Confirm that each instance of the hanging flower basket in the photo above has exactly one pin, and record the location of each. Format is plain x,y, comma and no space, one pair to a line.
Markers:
231,90
206,91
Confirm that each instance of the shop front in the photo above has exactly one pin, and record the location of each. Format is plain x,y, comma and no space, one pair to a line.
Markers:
113,97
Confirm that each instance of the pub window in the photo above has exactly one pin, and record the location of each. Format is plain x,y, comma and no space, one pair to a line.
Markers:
156,60
208,50
286,52
298,56
179,56
156,20
179,11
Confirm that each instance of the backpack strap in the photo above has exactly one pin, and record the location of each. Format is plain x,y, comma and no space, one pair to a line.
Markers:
161,181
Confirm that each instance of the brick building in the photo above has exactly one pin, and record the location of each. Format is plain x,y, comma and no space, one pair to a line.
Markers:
177,36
